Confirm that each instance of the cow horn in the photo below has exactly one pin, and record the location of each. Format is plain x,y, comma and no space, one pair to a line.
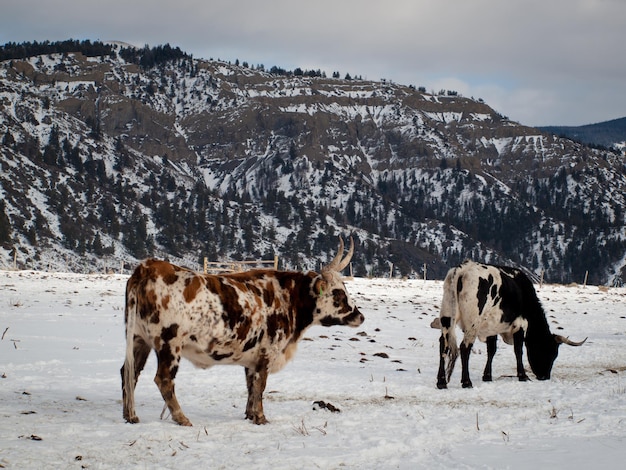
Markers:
338,264
344,262
563,339
337,259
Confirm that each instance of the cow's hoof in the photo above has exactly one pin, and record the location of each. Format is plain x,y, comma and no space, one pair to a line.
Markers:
132,419
467,384
260,420
487,378
442,385
523,378
257,419
182,420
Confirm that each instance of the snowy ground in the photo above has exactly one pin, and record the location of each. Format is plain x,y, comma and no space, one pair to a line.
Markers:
63,344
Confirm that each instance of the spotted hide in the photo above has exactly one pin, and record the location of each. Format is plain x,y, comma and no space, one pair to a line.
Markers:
253,319
486,301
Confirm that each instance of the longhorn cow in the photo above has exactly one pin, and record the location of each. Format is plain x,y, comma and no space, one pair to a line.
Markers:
253,319
486,301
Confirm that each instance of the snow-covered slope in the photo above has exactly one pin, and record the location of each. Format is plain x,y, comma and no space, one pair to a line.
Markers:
111,157
62,347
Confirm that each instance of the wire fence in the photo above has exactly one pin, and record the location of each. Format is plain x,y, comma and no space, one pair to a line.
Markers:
215,267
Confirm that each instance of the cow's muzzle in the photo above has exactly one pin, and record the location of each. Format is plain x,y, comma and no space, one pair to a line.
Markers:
355,318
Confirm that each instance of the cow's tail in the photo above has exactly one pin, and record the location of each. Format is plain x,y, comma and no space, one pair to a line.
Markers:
128,371
447,318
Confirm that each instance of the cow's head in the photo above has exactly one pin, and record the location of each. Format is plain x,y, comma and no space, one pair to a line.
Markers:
333,303
541,355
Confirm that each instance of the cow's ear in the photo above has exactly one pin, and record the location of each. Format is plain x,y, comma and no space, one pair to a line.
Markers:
320,287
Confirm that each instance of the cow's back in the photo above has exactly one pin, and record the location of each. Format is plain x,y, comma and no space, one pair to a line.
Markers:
489,299
217,319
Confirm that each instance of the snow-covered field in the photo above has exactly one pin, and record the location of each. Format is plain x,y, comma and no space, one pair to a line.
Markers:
63,344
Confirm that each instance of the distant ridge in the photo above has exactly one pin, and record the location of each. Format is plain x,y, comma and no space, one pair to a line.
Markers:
605,134
111,154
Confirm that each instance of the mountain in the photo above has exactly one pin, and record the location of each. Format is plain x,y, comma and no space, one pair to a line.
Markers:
606,134
110,153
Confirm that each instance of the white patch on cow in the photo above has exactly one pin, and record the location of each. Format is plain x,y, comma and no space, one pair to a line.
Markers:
281,358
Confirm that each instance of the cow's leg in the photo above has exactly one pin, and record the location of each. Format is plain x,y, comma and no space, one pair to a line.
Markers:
518,346
441,375
447,347
166,372
141,351
466,349
256,379
491,351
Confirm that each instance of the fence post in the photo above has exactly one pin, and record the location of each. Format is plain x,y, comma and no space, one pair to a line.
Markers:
275,262
206,261
585,281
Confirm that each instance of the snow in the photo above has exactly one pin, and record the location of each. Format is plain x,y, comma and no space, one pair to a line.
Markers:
60,401
445,117
500,144
481,116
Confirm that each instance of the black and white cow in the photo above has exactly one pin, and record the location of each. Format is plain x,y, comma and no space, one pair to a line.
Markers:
486,301
253,319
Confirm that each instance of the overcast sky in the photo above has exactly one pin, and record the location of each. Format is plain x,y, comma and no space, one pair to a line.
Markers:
539,62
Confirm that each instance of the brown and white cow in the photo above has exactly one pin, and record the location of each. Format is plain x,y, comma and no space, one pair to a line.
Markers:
253,319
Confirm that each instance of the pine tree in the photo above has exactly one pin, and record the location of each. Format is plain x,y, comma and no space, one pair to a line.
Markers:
5,226
96,246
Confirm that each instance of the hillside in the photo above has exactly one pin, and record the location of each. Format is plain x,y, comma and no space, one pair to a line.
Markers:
110,154
606,134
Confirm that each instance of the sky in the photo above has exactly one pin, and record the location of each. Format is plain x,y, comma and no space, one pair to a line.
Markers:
538,62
